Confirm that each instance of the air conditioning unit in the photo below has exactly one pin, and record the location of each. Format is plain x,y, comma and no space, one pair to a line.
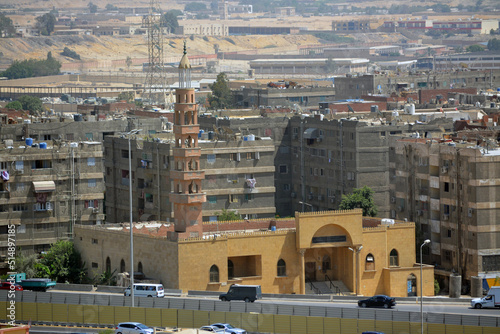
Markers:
319,140
310,196
469,212
446,217
332,200
393,199
95,210
444,169
293,194
320,197
400,208
420,212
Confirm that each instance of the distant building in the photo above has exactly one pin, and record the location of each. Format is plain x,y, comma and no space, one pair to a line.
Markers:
48,188
209,29
239,176
284,11
448,188
308,66
240,9
469,26
351,26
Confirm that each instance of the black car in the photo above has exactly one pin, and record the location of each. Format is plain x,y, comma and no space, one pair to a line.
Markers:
378,301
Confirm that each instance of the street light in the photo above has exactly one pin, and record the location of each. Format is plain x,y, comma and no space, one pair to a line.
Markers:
356,251
427,241
130,133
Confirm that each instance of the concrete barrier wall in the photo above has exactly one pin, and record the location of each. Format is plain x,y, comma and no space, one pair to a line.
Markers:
39,313
191,304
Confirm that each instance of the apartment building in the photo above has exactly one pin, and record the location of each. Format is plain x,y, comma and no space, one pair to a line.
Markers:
329,157
239,176
354,86
450,189
47,188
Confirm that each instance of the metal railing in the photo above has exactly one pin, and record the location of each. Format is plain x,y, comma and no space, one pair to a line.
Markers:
313,288
335,289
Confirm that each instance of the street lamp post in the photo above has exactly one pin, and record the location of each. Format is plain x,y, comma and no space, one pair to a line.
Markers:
427,241
356,252
129,134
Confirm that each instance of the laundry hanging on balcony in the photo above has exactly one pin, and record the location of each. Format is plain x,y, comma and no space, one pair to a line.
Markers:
5,175
251,183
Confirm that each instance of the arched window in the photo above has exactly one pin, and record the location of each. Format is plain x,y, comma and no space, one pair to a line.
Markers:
108,265
139,267
370,262
214,274
122,266
326,265
230,269
281,268
393,258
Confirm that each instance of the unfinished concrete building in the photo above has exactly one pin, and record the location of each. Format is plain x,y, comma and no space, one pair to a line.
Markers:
239,176
46,189
450,189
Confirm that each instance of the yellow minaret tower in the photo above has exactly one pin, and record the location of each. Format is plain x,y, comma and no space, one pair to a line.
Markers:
186,194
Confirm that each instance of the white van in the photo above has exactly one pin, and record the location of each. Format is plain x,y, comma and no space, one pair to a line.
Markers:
146,290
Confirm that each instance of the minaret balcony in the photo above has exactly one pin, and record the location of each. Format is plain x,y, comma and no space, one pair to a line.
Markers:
192,129
187,175
181,198
186,152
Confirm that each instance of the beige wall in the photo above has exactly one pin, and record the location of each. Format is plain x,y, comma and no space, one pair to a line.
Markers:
157,255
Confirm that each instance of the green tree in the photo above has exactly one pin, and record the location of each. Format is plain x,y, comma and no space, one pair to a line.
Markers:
14,105
7,28
27,264
128,62
64,263
126,96
92,7
32,68
31,103
360,198
46,23
227,215
475,48
111,7
170,20
70,53
221,96
494,44
195,7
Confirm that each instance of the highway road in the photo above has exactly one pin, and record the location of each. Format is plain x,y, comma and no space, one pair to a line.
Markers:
437,305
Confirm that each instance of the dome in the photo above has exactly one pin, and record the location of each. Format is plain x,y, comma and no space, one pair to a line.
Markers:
184,63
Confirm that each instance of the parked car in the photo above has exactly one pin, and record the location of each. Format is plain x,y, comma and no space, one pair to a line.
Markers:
133,328
211,329
248,293
227,328
7,286
378,301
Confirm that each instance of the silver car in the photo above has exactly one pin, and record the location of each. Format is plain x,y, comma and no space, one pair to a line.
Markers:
133,328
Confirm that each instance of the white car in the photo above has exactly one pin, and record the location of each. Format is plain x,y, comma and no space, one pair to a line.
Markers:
211,329
133,328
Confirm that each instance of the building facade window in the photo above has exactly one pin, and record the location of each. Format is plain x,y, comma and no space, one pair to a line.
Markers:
370,262
214,274
281,268
393,258
212,199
